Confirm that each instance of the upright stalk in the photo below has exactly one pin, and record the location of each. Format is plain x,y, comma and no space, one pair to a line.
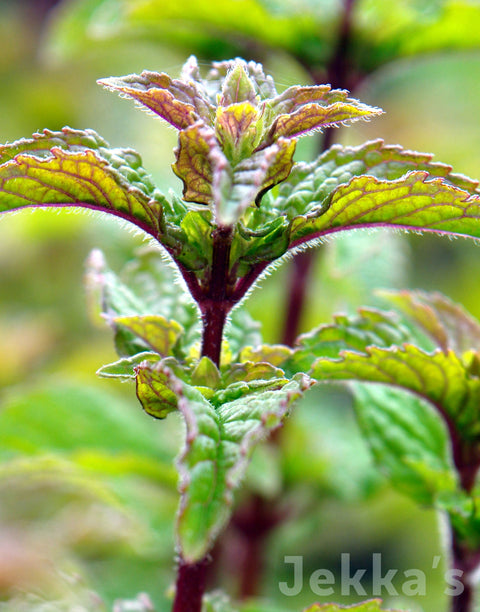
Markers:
190,586
464,560
215,304
337,76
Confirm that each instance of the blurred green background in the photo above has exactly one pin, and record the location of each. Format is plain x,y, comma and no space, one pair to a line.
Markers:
87,484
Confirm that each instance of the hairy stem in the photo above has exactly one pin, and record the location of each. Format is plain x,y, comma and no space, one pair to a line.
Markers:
190,586
216,304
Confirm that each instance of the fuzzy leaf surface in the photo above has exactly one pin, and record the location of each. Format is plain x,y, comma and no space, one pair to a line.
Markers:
309,184
412,202
219,443
176,101
306,205
81,179
355,333
312,117
124,368
440,378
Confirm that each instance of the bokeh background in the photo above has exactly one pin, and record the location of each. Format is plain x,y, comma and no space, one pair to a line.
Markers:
87,483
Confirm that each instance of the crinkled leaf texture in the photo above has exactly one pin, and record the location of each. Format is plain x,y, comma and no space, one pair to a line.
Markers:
237,136
128,302
373,185
76,168
219,443
434,460
373,605
355,333
441,378
415,201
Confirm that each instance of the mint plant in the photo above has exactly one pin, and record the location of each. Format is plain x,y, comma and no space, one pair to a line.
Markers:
245,206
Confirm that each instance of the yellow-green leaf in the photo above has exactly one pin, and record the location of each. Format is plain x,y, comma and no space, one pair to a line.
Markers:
414,201
75,179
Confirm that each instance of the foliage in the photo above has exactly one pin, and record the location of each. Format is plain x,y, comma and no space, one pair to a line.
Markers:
429,451
246,205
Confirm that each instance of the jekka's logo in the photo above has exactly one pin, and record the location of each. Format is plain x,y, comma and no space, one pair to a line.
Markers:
324,583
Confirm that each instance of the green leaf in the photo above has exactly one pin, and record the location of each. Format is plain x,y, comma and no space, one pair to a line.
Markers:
199,159
251,178
41,143
309,184
241,331
147,285
75,179
274,354
412,202
369,327
154,390
198,233
306,205
408,441
206,374
126,162
312,117
193,25
239,129
124,369
71,420
373,605
209,178
383,32
157,332
218,446
237,87
250,371
441,378
447,323
464,516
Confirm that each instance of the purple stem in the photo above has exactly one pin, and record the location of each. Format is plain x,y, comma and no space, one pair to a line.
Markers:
190,586
465,561
215,304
